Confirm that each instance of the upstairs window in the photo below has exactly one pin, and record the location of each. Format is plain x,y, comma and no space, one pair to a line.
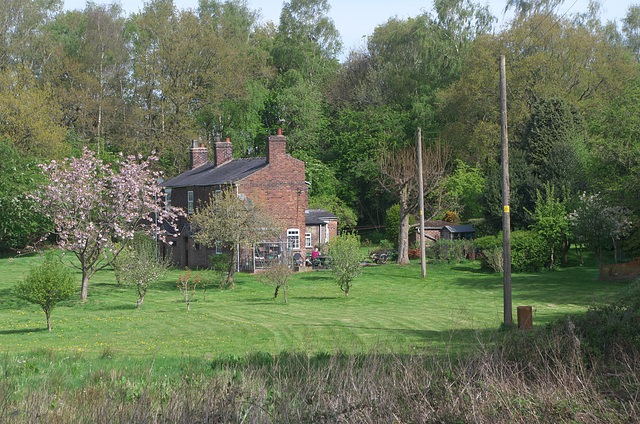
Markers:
307,240
293,239
190,202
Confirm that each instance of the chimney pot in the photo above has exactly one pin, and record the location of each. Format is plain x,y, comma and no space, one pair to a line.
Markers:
279,132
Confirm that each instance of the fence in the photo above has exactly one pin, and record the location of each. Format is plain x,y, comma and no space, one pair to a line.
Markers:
621,272
261,256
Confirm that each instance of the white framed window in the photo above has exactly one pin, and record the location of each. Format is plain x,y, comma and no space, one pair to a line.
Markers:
167,199
218,247
190,202
293,239
307,240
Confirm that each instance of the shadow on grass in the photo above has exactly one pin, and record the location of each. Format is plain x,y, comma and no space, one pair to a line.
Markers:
24,331
576,286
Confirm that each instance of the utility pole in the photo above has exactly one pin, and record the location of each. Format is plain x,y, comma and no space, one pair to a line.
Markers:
423,259
506,217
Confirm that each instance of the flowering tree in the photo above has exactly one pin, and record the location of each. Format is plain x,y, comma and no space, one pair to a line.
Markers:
597,225
96,208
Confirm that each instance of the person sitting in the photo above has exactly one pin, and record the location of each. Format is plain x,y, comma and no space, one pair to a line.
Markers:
314,257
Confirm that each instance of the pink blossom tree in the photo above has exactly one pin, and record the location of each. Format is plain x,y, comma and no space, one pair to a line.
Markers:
96,208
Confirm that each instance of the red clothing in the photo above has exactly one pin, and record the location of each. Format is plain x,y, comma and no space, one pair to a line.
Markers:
315,254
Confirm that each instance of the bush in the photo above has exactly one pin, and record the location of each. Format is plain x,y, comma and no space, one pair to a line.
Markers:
529,251
450,250
46,285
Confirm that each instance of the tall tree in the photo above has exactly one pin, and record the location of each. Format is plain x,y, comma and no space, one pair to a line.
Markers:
304,54
30,116
400,176
21,24
547,57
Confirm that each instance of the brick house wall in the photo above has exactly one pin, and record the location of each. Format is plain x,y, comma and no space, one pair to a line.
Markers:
278,183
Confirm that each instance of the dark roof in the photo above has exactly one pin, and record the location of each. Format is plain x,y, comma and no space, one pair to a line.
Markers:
460,228
435,225
318,217
208,174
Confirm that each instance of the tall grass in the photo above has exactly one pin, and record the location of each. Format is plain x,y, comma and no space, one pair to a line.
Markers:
526,378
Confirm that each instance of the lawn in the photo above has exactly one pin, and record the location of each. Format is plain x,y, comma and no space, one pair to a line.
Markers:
388,305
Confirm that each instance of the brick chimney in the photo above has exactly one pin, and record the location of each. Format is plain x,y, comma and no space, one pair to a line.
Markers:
199,154
223,151
276,146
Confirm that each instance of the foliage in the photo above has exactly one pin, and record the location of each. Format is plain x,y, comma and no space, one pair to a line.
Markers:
220,265
226,218
553,140
597,225
20,225
465,186
278,276
187,284
344,251
347,218
449,250
94,206
138,265
589,73
451,217
550,221
46,285
522,189
529,251
392,224
30,114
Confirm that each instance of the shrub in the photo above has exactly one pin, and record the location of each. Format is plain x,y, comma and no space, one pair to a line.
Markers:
450,250
46,285
529,251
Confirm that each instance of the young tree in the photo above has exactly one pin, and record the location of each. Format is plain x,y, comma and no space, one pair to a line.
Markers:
139,266
46,285
550,220
277,276
232,221
187,285
344,251
96,209
597,225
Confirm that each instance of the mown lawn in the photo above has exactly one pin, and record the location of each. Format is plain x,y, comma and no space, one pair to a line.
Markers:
388,305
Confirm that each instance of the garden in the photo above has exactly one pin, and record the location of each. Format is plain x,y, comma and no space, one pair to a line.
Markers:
241,354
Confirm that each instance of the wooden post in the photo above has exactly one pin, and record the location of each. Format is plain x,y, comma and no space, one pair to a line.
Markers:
423,260
506,217
525,318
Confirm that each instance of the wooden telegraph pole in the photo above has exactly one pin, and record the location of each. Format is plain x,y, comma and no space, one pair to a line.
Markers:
506,217
423,260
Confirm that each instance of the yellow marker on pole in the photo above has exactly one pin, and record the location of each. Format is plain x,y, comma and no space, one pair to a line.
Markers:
506,209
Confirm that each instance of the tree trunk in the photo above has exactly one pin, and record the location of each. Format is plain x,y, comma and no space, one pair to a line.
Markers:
85,285
48,314
403,233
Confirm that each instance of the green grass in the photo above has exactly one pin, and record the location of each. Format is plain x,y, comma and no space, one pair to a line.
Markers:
389,305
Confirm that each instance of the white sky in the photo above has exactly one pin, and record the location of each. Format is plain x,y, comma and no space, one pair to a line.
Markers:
356,19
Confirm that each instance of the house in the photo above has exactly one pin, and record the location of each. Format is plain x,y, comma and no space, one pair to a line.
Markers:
436,230
276,181
320,227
